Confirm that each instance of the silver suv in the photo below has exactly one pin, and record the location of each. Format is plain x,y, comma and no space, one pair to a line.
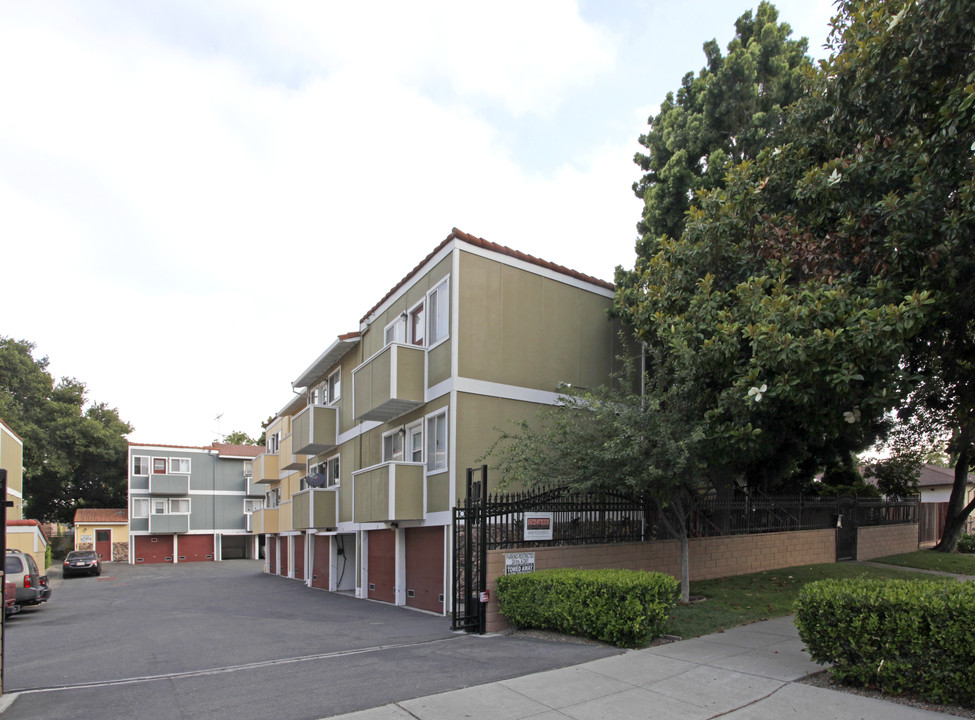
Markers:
21,570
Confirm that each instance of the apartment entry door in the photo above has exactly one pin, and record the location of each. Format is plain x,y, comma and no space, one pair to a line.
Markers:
103,544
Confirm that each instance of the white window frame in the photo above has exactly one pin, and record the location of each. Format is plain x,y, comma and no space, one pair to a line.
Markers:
395,332
333,471
159,503
272,443
272,498
421,308
248,468
392,436
412,432
333,387
433,458
144,502
179,460
164,463
249,505
175,501
438,313
142,460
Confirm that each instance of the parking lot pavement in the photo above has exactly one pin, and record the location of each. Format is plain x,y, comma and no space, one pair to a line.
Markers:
224,640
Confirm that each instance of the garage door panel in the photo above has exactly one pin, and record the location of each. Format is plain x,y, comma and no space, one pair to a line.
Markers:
194,548
150,549
321,561
382,565
272,555
425,568
300,557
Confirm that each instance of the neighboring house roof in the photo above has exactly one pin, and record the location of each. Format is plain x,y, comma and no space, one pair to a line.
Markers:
100,515
932,475
494,247
27,523
11,431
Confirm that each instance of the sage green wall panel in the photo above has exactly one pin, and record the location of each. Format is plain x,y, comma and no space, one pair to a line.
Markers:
438,492
521,329
479,335
438,363
408,487
562,325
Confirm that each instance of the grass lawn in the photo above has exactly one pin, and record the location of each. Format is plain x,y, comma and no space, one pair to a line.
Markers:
742,599
961,563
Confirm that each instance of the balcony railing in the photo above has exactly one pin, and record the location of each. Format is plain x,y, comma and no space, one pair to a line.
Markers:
266,469
169,484
314,430
165,523
288,459
264,521
313,508
388,493
389,384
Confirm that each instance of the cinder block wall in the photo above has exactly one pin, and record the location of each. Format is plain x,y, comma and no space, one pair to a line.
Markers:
881,540
709,558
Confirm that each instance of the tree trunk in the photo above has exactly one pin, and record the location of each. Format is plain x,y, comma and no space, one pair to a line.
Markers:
958,512
685,568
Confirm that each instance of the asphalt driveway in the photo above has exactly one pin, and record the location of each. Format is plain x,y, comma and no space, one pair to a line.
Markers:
224,640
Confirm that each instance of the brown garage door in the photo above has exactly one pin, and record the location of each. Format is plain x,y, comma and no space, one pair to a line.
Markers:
424,568
382,565
153,548
194,548
320,562
300,557
272,554
283,556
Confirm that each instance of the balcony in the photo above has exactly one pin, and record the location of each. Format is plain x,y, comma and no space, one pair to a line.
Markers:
165,523
253,489
389,384
169,484
313,508
288,459
388,493
266,469
315,430
264,521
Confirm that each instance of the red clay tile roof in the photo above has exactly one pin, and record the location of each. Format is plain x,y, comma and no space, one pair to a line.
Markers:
238,450
494,247
100,515
27,523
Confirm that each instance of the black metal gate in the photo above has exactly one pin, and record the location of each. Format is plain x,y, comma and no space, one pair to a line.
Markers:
470,556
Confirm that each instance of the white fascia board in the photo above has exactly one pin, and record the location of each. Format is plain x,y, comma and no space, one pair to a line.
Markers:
536,270
15,493
508,392
170,450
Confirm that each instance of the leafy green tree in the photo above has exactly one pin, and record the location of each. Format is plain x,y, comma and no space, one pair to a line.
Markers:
75,453
238,437
725,114
614,439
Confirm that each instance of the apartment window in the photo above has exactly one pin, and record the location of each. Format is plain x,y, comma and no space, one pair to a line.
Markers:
437,442
248,468
272,498
395,331
179,506
253,505
179,465
332,471
333,387
158,507
417,323
159,466
140,465
140,507
414,443
438,313
273,442
393,446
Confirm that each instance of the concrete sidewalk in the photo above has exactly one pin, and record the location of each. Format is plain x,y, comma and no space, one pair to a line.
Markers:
746,673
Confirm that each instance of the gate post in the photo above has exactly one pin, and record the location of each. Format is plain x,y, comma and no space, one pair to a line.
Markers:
482,552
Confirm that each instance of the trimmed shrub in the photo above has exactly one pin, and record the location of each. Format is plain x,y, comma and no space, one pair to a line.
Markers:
900,636
966,544
627,608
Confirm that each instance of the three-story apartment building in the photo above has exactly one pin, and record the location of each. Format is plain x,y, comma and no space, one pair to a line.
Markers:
363,467
189,504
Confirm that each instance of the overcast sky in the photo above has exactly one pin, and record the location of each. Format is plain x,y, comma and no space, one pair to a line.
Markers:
196,198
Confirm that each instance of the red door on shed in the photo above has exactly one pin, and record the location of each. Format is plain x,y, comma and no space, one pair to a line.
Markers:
283,556
321,561
424,568
300,557
103,544
272,554
194,548
153,548
382,565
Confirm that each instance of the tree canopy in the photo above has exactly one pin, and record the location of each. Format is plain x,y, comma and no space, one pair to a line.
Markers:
75,452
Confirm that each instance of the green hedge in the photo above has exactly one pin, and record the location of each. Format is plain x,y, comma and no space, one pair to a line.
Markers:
627,608
966,544
902,636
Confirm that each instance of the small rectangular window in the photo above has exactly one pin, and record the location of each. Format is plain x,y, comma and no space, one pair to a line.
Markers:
179,465
334,387
393,446
140,465
332,471
158,507
395,331
179,506
437,442
414,443
140,507
159,466
438,314
253,505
